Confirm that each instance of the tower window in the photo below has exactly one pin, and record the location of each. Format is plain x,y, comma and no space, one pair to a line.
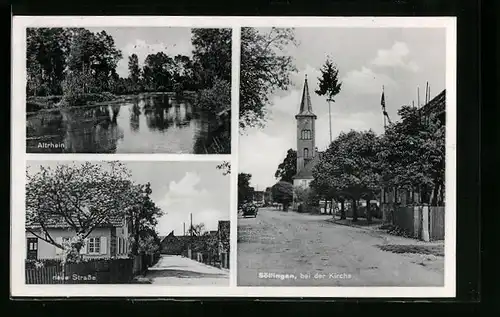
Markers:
306,153
305,135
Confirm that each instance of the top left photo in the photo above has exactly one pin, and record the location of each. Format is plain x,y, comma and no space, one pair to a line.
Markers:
128,90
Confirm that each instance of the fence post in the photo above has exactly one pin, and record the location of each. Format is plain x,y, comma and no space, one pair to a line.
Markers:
416,221
425,223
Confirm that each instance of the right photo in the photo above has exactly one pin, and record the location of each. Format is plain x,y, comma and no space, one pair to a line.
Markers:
341,178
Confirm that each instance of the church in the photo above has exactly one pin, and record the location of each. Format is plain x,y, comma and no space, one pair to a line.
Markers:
307,152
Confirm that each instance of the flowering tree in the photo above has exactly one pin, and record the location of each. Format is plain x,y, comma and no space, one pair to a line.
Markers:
79,197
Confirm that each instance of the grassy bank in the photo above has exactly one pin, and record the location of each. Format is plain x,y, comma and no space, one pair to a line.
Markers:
37,103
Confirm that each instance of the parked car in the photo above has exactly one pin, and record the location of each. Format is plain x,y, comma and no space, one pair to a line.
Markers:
249,210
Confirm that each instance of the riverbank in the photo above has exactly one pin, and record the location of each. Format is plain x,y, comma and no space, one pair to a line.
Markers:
35,104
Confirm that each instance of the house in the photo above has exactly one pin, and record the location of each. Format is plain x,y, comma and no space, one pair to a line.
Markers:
180,245
307,152
107,240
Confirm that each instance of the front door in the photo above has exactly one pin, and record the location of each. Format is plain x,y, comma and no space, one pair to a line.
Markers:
32,249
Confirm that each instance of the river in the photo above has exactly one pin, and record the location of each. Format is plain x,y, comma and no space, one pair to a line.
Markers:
141,124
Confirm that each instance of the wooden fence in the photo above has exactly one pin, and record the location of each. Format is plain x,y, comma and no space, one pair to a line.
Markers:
221,261
421,222
116,271
436,223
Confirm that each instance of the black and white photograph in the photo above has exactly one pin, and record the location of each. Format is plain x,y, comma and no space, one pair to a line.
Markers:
342,147
128,90
127,222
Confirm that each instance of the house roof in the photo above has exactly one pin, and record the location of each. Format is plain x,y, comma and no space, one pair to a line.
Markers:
305,104
435,105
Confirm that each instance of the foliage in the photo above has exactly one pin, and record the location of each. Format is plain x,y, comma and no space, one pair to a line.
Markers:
216,99
211,55
288,168
413,153
301,194
224,235
143,217
134,73
349,167
329,84
80,197
283,193
197,230
225,167
249,208
245,191
264,68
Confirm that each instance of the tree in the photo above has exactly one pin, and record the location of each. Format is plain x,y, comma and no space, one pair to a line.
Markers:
197,230
412,154
80,197
158,72
46,54
349,168
134,72
143,216
225,167
264,68
211,55
283,194
329,86
288,168
245,191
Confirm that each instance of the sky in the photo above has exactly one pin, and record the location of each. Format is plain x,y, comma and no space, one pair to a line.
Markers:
400,59
148,40
178,188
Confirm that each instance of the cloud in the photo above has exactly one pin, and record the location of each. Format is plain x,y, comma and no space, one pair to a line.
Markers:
396,56
365,81
182,199
142,49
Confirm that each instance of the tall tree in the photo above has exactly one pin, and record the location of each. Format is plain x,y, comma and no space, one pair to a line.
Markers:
212,55
80,197
158,71
46,54
143,216
265,67
350,167
225,167
245,191
288,168
329,86
134,72
413,154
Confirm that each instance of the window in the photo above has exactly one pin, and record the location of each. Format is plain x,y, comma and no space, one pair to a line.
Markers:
94,245
306,153
305,134
33,246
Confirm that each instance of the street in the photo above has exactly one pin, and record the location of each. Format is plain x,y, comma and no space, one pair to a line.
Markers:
180,271
290,249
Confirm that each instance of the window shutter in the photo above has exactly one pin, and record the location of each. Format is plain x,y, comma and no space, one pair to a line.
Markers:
83,250
59,240
104,245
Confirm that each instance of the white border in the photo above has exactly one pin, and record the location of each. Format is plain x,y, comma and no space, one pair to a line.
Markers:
18,288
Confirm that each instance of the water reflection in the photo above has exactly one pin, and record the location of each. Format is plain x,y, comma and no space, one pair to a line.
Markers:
159,124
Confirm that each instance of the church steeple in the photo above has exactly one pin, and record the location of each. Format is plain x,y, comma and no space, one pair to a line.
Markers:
306,136
305,104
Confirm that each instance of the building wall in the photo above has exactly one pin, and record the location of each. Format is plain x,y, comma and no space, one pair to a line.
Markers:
305,123
49,251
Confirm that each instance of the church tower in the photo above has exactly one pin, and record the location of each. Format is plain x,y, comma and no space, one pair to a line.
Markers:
306,143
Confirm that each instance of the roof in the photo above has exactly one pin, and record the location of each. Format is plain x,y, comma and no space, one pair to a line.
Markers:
306,172
305,104
58,222
436,105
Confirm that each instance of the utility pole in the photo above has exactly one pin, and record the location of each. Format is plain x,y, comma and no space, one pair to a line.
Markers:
330,118
184,228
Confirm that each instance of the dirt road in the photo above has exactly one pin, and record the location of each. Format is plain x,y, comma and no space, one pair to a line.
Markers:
289,249
177,270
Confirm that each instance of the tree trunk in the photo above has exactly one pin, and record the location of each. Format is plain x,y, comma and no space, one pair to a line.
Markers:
368,211
342,209
331,206
354,210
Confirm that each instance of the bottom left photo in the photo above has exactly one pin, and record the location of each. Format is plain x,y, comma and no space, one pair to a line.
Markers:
128,222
